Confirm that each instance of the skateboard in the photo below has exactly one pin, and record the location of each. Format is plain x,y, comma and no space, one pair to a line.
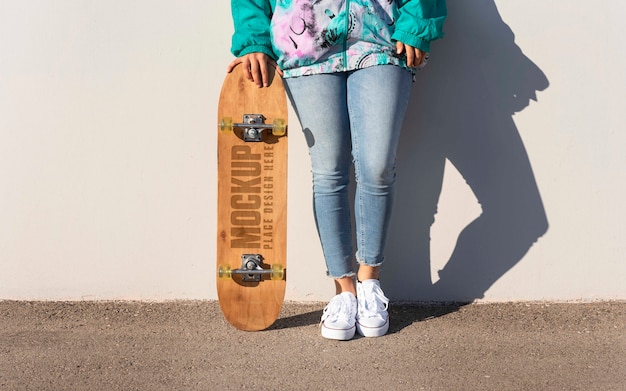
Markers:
251,200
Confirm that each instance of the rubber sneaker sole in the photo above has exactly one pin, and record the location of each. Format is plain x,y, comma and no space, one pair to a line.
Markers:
378,331
338,334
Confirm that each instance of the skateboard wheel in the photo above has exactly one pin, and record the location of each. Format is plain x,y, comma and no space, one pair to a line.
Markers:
226,125
277,272
224,272
279,127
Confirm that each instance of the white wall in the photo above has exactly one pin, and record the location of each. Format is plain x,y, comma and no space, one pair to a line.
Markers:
107,155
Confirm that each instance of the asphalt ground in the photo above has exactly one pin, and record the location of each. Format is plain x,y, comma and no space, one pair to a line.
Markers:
189,346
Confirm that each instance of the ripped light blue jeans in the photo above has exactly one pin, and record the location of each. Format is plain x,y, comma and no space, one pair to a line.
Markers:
352,118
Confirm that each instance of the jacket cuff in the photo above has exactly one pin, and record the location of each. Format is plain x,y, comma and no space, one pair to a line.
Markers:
256,49
411,40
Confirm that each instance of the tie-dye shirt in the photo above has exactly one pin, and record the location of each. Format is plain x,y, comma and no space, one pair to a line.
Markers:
324,36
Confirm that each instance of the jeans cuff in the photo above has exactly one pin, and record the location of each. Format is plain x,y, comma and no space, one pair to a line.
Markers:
362,262
349,274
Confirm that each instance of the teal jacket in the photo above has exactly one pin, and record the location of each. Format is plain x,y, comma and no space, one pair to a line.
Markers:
323,36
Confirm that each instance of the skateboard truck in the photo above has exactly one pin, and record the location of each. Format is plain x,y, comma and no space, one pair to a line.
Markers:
251,269
253,126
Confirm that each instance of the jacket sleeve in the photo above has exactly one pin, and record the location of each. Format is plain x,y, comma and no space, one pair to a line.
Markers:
419,22
251,19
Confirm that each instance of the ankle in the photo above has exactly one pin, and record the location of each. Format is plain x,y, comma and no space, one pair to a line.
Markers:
345,284
368,273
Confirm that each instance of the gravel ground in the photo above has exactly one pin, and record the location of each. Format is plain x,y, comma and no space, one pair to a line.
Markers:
189,346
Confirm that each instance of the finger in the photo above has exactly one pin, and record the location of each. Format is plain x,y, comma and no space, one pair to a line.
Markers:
410,56
399,47
264,73
255,73
419,56
273,64
233,64
245,65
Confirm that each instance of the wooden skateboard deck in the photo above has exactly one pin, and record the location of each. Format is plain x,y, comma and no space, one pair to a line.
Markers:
251,201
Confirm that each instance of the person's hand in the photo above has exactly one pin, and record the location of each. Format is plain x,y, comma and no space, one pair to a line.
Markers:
414,56
256,66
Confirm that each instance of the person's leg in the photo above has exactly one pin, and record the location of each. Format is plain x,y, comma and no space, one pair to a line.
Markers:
321,105
320,102
377,100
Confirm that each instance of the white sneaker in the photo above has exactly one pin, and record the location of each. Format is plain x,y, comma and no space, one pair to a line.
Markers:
339,317
372,319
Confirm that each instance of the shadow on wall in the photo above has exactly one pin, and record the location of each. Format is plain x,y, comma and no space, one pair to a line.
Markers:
461,110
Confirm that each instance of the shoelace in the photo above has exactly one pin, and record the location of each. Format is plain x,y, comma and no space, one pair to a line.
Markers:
374,299
338,307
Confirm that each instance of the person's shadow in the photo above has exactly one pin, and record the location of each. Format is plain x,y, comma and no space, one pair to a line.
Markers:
461,111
